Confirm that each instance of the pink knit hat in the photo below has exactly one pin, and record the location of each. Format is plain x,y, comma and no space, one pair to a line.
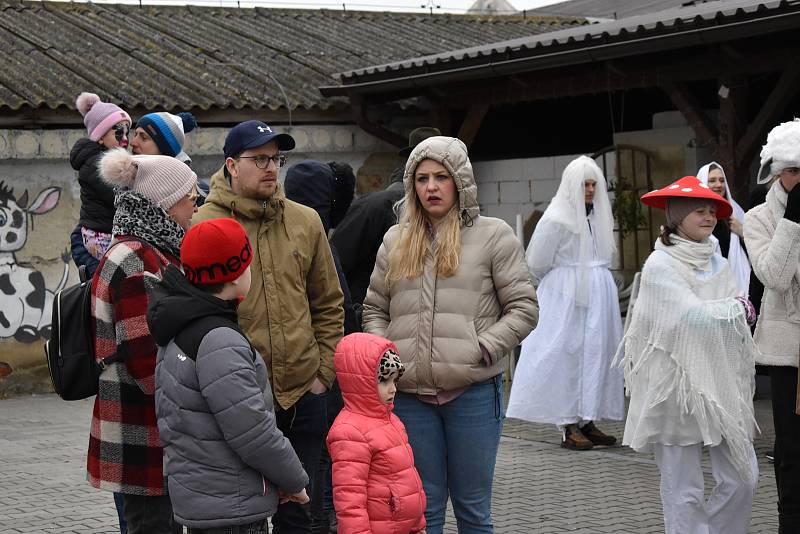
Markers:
99,117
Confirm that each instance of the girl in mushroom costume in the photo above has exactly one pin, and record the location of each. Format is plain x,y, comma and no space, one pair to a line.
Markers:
689,368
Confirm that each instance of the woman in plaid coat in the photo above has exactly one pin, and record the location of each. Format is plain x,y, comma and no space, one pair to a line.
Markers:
154,204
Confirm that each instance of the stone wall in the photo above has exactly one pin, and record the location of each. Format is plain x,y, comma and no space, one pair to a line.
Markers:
40,202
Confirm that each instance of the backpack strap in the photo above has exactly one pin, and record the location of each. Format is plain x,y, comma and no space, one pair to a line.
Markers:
189,339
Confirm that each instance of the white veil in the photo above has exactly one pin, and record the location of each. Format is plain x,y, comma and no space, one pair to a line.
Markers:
567,212
737,258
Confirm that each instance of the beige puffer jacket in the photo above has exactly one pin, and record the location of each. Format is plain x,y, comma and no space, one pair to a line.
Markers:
439,324
773,244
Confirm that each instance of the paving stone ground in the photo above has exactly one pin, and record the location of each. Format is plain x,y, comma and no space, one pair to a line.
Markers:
539,487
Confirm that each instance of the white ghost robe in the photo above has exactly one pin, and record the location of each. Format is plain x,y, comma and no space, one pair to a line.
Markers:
565,373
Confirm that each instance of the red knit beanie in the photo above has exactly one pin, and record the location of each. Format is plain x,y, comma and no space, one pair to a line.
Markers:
215,251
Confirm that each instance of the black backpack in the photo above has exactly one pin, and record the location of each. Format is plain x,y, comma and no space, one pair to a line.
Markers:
70,349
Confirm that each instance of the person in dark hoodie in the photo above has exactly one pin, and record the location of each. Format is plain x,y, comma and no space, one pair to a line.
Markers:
328,189
107,127
227,463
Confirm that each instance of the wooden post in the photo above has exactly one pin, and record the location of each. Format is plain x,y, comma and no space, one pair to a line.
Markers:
732,93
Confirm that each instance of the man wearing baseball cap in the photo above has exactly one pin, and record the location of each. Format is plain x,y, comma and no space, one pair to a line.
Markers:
293,312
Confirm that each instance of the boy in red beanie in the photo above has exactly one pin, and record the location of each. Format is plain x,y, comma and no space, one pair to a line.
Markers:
226,460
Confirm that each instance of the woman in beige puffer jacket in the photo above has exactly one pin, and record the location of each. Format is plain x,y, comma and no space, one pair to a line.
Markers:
451,289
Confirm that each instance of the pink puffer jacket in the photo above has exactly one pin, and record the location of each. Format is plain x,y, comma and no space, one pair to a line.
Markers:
376,488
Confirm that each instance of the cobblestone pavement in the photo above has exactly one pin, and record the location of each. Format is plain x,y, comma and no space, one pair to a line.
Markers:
540,488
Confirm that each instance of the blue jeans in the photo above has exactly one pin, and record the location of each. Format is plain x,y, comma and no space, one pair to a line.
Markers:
455,448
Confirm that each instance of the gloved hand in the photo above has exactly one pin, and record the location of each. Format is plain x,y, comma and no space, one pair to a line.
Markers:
793,205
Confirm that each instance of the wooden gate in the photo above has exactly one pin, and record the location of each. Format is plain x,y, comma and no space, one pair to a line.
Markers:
628,172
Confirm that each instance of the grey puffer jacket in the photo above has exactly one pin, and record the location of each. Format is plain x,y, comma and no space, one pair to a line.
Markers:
225,458
440,324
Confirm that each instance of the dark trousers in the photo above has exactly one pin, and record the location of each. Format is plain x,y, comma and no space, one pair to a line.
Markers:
322,499
304,424
787,447
259,527
150,515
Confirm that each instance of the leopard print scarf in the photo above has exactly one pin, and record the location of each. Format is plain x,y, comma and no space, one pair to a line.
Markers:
138,216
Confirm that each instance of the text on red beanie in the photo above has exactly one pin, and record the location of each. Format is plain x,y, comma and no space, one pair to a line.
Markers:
215,251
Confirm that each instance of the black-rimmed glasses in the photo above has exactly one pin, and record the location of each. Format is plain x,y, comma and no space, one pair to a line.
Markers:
262,162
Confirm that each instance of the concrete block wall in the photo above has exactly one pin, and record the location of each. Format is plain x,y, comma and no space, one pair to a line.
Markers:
518,186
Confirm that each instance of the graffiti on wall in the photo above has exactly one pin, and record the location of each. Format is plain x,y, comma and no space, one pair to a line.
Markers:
25,301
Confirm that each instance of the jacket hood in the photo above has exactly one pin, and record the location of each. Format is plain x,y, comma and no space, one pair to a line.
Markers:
175,303
223,196
311,184
82,151
452,154
356,362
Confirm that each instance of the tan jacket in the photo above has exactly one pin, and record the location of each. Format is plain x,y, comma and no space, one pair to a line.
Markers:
293,314
773,244
439,324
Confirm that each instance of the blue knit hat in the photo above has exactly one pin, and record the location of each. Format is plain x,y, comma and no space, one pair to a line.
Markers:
167,130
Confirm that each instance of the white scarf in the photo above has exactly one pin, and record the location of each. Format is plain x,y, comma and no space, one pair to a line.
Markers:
697,255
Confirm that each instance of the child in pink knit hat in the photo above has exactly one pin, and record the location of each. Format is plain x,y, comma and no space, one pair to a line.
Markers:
107,127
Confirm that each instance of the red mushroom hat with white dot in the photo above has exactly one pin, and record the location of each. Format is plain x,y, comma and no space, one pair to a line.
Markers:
687,187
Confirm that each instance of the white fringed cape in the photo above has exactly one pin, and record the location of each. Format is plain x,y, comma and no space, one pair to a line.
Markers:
688,358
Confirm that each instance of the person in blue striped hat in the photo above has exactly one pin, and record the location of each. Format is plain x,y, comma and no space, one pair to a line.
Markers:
162,134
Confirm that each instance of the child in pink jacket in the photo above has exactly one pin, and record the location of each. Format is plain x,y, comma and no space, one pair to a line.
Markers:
376,488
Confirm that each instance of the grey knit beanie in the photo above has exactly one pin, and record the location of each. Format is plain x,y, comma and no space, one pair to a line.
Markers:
679,207
162,179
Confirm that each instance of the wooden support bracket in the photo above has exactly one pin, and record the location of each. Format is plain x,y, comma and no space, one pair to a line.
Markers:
359,107
774,106
472,123
694,113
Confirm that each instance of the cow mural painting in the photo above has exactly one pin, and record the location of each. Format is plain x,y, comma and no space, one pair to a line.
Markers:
25,301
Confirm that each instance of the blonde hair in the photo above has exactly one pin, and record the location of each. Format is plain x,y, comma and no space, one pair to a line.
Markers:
407,256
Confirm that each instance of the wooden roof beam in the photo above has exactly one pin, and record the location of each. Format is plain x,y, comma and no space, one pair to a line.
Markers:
694,113
359,107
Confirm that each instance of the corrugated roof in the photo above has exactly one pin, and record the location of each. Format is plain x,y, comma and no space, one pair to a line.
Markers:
181,57
584,39
613,9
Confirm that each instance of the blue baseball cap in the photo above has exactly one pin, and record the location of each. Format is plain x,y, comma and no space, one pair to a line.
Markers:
251,134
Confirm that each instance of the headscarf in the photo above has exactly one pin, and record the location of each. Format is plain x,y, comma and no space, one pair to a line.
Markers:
737,258
568,209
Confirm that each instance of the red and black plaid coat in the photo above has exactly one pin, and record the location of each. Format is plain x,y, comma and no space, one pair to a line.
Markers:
125,452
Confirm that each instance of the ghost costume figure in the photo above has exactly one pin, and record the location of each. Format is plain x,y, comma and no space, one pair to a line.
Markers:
564,375
728,232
